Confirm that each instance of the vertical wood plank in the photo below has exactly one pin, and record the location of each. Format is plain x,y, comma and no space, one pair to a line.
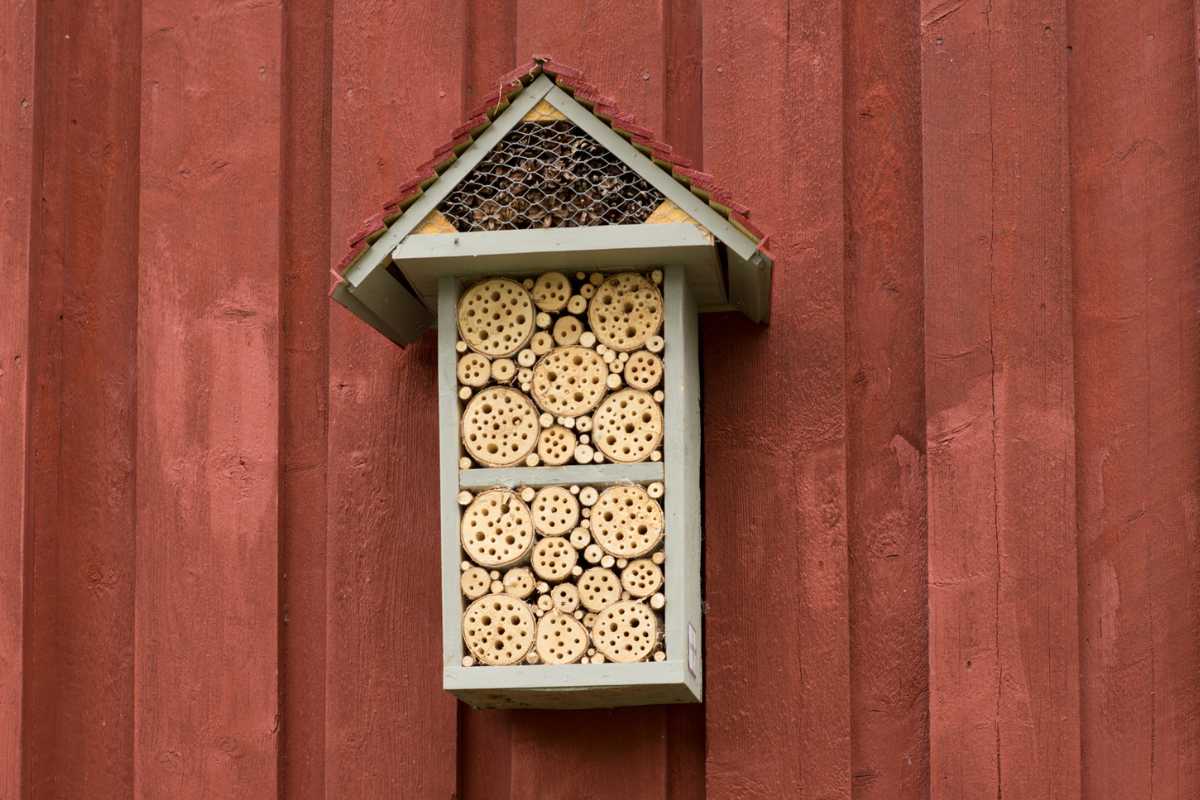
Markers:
80,659
19,173
620,47
1003,650
885,394
775,406
390,729
1135,195
208,409
304,379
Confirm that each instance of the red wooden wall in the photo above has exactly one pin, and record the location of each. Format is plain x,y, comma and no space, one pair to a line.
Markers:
952,492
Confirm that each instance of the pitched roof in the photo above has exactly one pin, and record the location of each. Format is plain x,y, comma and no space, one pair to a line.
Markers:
601,106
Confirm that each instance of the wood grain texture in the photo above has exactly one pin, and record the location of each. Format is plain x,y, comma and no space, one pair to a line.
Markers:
390,729
20,162
219,525
82,496
774,449
885,394
1002,555
205,648
304,393
1135,197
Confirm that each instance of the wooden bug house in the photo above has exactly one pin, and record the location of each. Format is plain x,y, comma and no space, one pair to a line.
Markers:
563,256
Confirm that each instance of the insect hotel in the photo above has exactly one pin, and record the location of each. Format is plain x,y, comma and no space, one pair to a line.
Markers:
563,256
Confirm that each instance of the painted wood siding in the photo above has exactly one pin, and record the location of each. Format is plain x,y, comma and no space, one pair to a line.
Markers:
952,492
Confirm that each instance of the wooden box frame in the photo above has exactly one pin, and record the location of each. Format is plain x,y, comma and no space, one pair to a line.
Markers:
679,678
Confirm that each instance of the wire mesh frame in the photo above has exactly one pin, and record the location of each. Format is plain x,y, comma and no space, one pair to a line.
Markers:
549,175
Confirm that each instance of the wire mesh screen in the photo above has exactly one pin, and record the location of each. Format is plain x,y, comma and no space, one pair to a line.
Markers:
549,175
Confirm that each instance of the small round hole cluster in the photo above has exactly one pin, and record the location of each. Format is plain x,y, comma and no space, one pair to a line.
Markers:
561,368
563,574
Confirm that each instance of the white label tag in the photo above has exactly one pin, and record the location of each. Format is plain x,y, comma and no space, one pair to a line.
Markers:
693,651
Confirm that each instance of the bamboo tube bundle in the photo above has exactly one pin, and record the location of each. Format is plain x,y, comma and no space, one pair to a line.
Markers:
625,631
498,629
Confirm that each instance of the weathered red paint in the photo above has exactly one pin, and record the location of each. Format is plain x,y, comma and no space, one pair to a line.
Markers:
85,312
207,527
1135,202
1003,649
950,492
885,396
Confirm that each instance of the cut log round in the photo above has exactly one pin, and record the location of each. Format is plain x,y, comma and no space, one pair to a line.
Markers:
569,381
551,291
556,445
643,370
495,317
474,370
497,529
626,310
599,588
641,578
625,631
626,521
628,426
553,558
555,511
498,629
500,427
561,639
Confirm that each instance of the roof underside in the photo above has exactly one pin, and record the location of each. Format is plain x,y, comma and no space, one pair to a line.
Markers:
547,174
